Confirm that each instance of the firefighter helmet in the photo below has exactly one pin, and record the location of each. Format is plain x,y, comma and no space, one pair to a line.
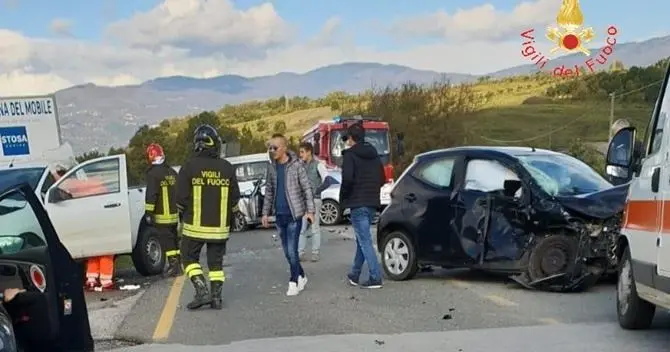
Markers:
155,154
207,138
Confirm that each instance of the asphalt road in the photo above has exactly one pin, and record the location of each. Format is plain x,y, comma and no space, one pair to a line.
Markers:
466,308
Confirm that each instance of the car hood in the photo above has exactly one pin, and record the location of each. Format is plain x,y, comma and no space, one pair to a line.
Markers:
601,205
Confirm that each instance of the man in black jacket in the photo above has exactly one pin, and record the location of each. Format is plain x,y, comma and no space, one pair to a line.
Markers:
362,179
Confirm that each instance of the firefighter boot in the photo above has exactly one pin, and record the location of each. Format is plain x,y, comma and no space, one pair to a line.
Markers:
217,299
174,266
201,297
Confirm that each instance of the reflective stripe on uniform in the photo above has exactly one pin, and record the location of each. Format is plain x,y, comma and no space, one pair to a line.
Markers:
172,253
217,276
149,207
196,230
193,270
166,219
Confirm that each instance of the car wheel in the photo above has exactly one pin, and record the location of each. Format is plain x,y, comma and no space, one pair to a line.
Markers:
148,255
633,311
239,222
330,213
399,257
553,255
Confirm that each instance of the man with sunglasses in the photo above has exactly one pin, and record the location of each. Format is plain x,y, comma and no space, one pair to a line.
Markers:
289,194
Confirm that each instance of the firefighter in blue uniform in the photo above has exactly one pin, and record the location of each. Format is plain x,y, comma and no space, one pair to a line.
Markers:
207,197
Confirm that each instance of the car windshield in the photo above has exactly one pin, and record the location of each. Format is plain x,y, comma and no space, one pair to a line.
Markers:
12,177
563,175
251,171
379,138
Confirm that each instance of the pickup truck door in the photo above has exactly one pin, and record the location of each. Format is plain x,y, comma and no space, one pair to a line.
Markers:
89,208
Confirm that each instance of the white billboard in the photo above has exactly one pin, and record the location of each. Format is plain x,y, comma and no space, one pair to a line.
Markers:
28,127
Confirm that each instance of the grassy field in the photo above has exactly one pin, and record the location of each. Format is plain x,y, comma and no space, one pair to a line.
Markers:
505,119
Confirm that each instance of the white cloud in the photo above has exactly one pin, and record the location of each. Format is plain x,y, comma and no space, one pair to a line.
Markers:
483,22
204,38
204,25
61,26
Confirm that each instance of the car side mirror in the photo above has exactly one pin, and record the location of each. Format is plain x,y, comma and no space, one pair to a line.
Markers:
621,154
510,187
317,144
57,195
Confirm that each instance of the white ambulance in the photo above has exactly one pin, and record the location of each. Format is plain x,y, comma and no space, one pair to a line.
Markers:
644,245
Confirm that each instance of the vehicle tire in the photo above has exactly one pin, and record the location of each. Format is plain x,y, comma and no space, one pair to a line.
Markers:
239,223
553,255
330,213
633,311
399,256
7,335
148,255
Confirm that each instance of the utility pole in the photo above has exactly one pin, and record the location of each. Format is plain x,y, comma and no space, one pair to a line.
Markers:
286,103
609,128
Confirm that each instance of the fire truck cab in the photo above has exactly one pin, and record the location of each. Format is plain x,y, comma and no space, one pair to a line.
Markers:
326,137
643,249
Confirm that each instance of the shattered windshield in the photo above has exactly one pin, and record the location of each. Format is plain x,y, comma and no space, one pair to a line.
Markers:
377,138
563,175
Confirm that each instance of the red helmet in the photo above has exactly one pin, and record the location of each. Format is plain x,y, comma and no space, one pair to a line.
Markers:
155,154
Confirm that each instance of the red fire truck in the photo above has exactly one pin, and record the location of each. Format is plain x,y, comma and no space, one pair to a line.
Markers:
326,137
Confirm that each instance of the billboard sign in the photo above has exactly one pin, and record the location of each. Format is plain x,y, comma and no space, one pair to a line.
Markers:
28,127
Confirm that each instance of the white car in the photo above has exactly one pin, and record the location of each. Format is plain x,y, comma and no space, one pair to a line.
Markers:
331,212
108,220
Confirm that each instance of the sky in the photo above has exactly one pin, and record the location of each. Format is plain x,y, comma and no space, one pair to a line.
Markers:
48,45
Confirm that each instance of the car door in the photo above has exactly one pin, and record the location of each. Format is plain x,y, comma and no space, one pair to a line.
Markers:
488,221
32,258
427,203
90,210
660,145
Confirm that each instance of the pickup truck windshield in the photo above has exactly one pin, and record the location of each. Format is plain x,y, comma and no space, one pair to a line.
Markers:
13,177
563,175
251,171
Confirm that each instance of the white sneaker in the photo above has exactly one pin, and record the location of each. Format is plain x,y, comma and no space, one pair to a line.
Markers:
302,282
292,289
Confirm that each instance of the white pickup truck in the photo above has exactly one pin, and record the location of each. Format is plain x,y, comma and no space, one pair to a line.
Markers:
108,219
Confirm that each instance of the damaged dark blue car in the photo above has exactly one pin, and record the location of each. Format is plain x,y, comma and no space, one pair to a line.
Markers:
545,218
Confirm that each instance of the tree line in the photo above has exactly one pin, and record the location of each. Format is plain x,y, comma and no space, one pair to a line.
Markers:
428,116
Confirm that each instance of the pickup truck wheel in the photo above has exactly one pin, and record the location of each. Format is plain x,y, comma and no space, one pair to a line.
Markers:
399,257
330,213
239,222
633,311
148,255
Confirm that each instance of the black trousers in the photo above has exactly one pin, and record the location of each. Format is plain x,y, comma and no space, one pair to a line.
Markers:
190,254
168,238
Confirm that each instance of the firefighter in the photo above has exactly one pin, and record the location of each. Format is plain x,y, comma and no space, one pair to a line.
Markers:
160,205
207,197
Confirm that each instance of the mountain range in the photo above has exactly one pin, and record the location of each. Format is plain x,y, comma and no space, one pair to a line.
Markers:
98,117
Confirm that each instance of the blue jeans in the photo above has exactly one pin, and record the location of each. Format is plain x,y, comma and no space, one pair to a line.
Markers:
361,220
289,232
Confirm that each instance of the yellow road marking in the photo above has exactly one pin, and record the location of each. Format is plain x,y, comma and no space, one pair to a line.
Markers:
549,321
165,321
501,301
459,283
